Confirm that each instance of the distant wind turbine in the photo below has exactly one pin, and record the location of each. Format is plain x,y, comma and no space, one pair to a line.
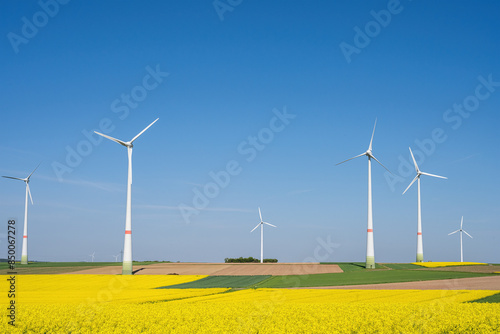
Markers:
127,256
420,245
370,250
24,254
261,224
461,230
92,256
116,257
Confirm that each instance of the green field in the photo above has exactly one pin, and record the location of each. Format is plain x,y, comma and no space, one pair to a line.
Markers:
221,282
35,268
361,277
491,299
353,266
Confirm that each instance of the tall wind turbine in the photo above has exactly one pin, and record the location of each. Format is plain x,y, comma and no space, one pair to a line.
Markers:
92,256
370,251
420,245
261,224
24,254
461,230
127,255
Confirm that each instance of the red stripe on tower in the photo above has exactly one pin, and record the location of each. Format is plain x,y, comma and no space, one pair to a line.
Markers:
419,233
25,236
370,230
128,232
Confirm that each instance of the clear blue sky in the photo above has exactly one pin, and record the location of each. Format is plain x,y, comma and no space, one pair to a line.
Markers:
336,66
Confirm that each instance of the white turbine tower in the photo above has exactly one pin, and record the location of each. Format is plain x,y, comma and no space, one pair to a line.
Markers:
420,245
261,224
92,256
370,251
461,230
127,255
24,254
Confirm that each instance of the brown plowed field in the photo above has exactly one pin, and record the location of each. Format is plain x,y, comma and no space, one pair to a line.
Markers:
220,269
473,283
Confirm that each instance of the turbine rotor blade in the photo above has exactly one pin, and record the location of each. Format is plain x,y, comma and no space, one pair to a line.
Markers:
381,164
29,192
416,177
255,227
140,133
14,178
469,235
442,177
121,142
269,224
260,214
33,171
360,155
462,222
453,232
373,133
414,161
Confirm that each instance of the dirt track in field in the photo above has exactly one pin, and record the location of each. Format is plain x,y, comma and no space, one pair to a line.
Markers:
473,283
220,269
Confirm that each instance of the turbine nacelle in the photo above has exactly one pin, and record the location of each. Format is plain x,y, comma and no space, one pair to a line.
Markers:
419,172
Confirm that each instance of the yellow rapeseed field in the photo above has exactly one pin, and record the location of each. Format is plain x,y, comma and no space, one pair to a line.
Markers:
447,264
130,304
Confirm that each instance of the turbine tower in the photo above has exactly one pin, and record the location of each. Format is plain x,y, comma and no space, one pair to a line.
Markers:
370,250
420,245
127,255
92,256
461,230
24,254
261,224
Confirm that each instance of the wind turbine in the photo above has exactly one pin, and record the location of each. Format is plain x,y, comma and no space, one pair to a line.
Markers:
24,254
370,251
116,257
92,256
261,224
461,230
420,245
127,256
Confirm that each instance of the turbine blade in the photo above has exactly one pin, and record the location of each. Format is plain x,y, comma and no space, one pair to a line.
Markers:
414,161
453,232
462,222
29,192
260,215
381,164
416,177
255,227
14,178
121,142
373,133
469,235
33,171
442,177
360,155
140,133
269,224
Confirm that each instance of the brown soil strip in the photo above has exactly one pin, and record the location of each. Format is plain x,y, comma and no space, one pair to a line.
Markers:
473,283
220,269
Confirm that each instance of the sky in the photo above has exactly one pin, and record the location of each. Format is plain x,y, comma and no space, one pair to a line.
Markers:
257,102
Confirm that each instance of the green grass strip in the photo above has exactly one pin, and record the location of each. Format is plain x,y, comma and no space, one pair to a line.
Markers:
362,277
399,266
490,299
220,282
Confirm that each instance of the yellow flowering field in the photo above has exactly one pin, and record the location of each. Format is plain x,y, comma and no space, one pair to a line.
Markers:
447,264
130,304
